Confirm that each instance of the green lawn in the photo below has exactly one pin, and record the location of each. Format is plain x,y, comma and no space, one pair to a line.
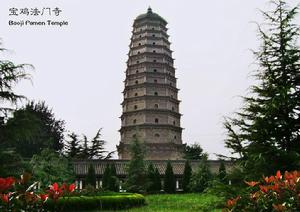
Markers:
181,202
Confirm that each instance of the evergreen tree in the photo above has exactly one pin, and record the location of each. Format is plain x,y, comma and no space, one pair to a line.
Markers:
136,179
34,128
157,181
91,176
73,147
169,180
151,186
193,152
85,152
187,174
96,150
201,178
113,179
105,178
265,132
222,173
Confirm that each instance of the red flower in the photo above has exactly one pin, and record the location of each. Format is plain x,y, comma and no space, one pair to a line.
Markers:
6,183
269,179
252,183
71,187
44,197
264,189
232,202
5,198
278,175
55,192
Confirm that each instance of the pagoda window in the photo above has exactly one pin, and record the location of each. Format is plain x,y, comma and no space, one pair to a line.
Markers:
134,121
139,52
156,135
155,93
139,44
153,43
170,83
135,107
154,51
156,120
154,61
136,82
174,122
134,135
137,71
175,137
155,80
173,108
138,61
153,35
140,36
152,28
156,106
155,70
135,94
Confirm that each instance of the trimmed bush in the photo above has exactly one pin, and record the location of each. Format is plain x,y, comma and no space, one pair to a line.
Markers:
106,202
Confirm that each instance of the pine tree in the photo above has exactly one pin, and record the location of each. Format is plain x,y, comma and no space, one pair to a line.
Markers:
266,132
91,176
73,147
96,150
169,180
222,173
85,151
136,179
201,178
187,174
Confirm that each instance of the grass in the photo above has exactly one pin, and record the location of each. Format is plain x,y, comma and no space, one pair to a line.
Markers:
181,202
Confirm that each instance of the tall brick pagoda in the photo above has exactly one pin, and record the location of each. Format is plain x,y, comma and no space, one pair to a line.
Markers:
151,106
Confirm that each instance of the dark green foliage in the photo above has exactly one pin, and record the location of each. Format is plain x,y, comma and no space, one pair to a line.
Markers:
169,180
157,180
201,178
49,167
187,174
152,184
113,179
96,150
103,202
105,178
265,132
72,146
90,178
34,128
193,152
85,150
136,178
222,173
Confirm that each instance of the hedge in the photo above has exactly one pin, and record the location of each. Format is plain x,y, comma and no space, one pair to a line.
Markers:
79,203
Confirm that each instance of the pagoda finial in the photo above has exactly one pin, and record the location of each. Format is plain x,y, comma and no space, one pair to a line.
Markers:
149,10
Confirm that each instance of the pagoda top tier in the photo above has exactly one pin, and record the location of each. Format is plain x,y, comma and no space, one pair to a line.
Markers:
150,15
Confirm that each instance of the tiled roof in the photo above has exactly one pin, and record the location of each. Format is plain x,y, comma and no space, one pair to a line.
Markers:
81,167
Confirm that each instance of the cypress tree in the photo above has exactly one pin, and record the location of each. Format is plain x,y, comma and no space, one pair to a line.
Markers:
201,178
91,176
105,177
222,173
151,186
113,179
169,180
187,174
136,178
73,147
157,180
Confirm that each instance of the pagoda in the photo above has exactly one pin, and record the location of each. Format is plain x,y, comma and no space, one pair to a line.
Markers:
151,106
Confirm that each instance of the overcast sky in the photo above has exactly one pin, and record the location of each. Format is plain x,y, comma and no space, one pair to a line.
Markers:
79,68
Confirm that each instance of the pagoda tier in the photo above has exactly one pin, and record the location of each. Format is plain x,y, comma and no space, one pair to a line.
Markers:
151,105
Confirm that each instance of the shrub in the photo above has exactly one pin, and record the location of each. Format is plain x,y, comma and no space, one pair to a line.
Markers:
111,202
274,193
169,180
